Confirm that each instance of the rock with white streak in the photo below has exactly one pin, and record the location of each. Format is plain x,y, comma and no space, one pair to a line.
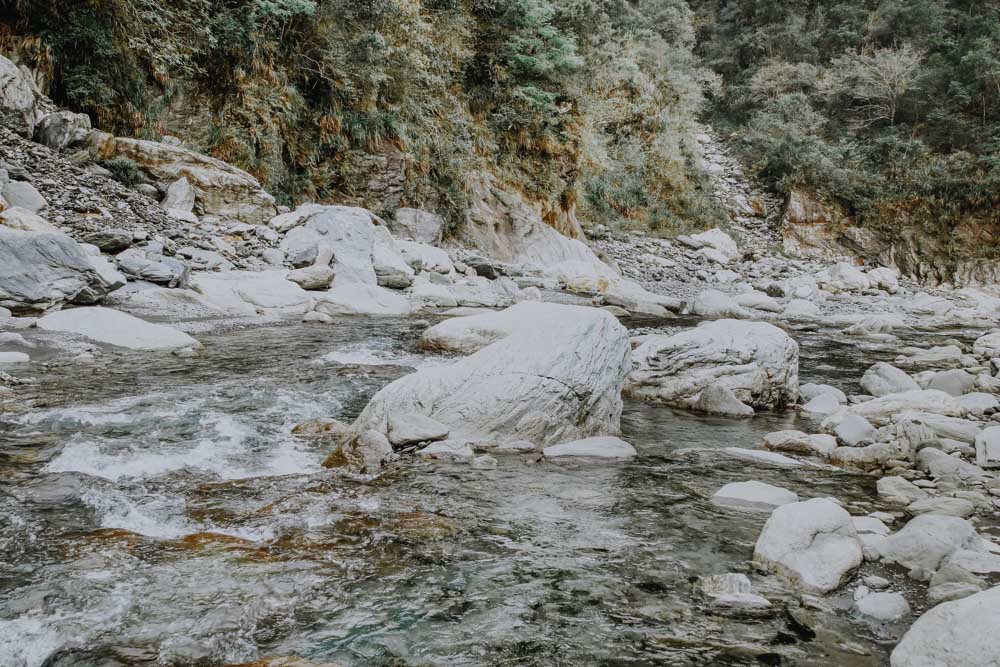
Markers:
960,633
813,544
538,382
113,327
758,362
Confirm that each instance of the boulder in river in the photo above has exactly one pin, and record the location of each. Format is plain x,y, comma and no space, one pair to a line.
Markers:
960,633
882,379
550,373
926,541
597,447
757,361
812,543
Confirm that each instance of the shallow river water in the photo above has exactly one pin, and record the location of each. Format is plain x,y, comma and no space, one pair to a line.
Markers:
157,511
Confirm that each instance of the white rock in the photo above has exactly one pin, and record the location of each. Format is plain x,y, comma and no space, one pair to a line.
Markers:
882,379
926,541
938,464
943,506
988,447
987,346
315,277
812,543
113,327
884,278
800,309
954,382
180,196
899,490
410,428
248,293
415,225
14,358
961,633
884,607
824,404
810,391
881,410
854,430
754,496
713,303
603,447
978,403
758,362
26,221
716,239
540,383
448,449
717,399
421,256
758,301
391,270
361,299
348,231
843,277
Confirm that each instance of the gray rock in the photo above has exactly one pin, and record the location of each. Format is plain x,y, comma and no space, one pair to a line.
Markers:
883,606
415,225
753,496
62,129
24,195
882,379
410,428
41,271
924,543
180,196
954,382
717,399
141,265
110,240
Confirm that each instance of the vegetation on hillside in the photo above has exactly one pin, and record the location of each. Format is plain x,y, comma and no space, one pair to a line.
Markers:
891,107
590,102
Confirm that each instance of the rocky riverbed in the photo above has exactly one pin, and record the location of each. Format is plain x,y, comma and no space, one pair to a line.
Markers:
233,433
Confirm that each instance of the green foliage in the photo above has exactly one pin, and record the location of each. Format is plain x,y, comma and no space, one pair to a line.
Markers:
890,107
124,170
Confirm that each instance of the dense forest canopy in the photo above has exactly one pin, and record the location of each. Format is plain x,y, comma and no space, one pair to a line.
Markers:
891,108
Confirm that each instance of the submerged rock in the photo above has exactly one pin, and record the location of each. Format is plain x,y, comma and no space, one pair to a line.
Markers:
113,327
753,495
600,447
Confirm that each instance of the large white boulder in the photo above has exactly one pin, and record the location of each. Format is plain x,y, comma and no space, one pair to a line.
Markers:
423,257
757,361
813,544
882,379
987,346
960,633
346,230
113,327
843,277
713,303
716,246
554,373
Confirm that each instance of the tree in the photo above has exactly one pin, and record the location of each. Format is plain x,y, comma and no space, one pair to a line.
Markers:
878,79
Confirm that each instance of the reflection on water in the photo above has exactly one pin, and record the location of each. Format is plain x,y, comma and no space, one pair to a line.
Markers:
157,511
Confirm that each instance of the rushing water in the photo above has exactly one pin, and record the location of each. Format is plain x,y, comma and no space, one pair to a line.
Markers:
157,511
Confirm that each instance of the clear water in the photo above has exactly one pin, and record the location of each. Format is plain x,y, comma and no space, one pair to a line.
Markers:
157,511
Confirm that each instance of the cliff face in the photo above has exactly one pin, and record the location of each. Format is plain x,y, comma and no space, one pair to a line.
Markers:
583,107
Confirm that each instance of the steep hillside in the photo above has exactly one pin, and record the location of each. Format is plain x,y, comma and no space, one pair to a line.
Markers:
585,104
889,110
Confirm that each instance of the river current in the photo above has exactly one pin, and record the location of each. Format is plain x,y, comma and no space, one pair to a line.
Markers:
157,510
